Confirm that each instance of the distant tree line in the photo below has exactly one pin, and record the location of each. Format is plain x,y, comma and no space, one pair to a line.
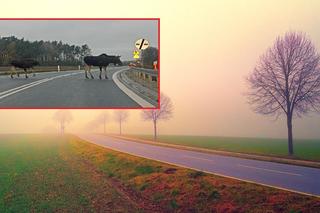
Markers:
46,52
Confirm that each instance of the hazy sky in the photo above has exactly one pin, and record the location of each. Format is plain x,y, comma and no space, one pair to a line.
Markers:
103,36
207,50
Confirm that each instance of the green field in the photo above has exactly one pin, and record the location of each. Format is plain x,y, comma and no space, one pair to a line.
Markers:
42,174
47,173
304,148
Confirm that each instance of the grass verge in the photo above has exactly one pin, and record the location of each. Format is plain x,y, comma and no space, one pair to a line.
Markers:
184,190
51,173
43,174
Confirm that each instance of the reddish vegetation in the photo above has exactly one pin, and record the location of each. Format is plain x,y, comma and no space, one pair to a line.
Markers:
161,187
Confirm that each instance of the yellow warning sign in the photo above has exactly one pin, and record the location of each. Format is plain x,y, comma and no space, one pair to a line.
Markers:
136,54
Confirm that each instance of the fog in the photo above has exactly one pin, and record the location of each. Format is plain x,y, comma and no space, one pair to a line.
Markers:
207,50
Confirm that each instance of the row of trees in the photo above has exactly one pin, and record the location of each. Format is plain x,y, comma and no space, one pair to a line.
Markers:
103,118
165,112
46,52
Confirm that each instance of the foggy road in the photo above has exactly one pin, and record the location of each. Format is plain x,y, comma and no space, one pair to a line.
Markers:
294,178
67,89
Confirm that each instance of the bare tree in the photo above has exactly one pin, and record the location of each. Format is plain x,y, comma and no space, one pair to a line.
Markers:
101,119
164,113
121,116
62,117
286,80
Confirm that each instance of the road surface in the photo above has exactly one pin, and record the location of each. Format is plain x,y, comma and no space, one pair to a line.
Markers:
67,89
290,177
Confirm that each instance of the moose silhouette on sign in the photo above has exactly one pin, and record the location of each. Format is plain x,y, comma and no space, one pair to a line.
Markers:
23,64
101,61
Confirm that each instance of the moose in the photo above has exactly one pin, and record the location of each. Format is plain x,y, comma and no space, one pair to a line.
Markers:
23,64
101,61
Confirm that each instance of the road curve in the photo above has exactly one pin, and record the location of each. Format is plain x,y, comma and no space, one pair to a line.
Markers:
290,177
67,89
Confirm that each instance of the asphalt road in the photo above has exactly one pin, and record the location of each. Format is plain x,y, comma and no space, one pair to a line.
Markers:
67,89
294,178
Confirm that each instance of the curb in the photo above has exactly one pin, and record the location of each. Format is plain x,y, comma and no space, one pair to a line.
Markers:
139,100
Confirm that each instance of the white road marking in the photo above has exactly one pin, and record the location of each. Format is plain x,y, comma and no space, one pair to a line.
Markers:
205,159
270,170
29,85
129,92
21,88
10,90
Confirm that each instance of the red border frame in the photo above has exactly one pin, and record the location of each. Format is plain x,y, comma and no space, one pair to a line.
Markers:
83,19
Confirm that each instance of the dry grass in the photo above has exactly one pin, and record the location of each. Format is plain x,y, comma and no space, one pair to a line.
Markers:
66,174
185,190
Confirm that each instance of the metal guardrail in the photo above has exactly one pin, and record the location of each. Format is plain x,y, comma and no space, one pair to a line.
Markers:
146,90
143,81
150,71
144,74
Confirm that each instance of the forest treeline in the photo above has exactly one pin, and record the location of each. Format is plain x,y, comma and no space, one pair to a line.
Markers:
46,52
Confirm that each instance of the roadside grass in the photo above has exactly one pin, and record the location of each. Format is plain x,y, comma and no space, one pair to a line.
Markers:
66,174
40,174
184,190
307,149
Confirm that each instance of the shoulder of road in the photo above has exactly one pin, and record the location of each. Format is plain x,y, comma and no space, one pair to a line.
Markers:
284,160
143,87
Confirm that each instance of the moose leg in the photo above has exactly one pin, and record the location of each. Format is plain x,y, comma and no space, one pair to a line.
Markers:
100,72
33,72
105,72
90,72
86,67
25,70
12,70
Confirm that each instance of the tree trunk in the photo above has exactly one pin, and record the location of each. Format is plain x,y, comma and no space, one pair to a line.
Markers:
290,140
104,126
155,130
62,127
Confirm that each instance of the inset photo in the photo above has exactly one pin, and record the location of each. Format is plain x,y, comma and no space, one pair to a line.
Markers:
79,63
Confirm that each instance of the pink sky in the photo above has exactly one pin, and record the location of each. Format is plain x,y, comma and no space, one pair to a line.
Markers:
207,49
